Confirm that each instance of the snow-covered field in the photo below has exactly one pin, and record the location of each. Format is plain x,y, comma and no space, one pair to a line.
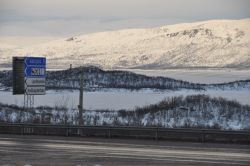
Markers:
205,76
117,99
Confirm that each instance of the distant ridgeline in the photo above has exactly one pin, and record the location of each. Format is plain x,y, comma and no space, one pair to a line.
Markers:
95,78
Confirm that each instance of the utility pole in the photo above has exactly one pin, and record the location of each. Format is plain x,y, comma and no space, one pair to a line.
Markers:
80,106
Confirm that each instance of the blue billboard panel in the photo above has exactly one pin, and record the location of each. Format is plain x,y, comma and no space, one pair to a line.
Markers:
35,61
35,71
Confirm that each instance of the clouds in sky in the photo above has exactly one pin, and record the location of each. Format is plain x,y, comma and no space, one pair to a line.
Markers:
69,17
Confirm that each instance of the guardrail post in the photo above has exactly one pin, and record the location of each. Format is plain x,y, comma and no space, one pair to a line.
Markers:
67,131
80,131
203,136
156,134
22,129
109,132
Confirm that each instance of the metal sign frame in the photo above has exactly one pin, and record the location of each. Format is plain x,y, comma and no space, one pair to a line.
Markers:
18,75
29,78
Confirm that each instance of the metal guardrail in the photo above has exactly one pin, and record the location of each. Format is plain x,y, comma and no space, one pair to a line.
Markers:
201,135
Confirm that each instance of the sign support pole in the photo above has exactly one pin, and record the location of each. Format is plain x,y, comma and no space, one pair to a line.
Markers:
80,106
29,101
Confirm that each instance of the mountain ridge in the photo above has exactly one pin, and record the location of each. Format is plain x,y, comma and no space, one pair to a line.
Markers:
206,44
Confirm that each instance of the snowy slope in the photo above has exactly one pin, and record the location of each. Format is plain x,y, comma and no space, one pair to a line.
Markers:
216,43
205,112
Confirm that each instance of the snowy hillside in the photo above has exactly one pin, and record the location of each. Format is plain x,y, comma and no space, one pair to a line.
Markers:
216,43
96,78
198,111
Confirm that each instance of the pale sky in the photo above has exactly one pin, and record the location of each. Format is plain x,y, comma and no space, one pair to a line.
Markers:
48,19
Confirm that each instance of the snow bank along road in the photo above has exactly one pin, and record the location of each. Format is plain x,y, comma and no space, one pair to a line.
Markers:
43,150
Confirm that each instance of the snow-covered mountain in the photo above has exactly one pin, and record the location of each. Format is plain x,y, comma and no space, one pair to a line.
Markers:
216,43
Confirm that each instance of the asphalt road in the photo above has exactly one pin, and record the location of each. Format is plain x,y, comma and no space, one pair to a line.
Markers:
43,150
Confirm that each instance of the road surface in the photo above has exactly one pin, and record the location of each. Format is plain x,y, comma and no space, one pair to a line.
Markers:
49,150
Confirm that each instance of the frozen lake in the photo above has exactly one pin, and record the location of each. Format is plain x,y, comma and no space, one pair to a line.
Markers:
116,99
199,75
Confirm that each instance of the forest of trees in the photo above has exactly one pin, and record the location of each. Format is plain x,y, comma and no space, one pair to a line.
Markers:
97,78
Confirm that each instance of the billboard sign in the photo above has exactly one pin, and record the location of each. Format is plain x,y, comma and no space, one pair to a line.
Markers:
35,90
29,75
35,73
35,61
35,81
